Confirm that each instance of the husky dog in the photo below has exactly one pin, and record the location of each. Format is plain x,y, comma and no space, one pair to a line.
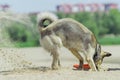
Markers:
71,34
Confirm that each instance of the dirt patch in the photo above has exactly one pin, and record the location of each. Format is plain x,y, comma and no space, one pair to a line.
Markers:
34,64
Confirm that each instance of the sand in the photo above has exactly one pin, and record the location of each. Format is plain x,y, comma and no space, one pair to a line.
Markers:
34,64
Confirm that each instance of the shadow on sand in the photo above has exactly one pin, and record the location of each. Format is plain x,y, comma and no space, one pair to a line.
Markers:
38,69
26,70
114,69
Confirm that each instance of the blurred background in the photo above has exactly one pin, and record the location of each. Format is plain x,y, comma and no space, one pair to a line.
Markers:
18,19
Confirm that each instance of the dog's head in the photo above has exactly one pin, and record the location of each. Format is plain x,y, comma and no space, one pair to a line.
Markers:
100,55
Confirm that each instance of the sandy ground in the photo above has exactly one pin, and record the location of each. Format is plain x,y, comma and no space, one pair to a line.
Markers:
42,61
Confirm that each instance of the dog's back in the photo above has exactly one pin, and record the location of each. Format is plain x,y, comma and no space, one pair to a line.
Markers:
72,34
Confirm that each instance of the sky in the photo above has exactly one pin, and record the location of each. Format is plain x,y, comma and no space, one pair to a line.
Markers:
26,6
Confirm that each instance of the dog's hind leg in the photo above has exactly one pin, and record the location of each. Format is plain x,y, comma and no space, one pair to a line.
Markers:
78,56
56,61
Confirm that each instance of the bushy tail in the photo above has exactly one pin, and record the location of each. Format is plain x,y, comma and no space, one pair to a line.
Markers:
46,18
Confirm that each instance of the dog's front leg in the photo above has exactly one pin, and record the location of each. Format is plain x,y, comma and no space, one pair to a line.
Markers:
89,52
91,63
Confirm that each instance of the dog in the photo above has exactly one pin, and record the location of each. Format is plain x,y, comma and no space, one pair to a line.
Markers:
74,36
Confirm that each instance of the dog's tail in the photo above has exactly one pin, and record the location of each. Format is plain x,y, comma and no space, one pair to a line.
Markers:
46,18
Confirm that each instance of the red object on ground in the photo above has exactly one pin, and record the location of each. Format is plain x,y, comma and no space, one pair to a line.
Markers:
85,66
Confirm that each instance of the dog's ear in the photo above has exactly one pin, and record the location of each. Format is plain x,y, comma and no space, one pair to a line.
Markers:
97,54
98,49
107,54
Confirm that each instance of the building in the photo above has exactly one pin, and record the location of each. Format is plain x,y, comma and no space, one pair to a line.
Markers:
4,7
80,7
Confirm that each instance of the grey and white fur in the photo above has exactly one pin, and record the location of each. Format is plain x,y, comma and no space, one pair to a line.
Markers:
74,36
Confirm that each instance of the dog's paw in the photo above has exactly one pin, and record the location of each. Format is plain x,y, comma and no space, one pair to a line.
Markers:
55,67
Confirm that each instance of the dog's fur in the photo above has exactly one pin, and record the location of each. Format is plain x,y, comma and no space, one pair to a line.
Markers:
72,35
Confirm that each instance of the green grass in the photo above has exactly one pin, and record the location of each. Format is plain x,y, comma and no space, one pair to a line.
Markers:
26,44
103,41
109,40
